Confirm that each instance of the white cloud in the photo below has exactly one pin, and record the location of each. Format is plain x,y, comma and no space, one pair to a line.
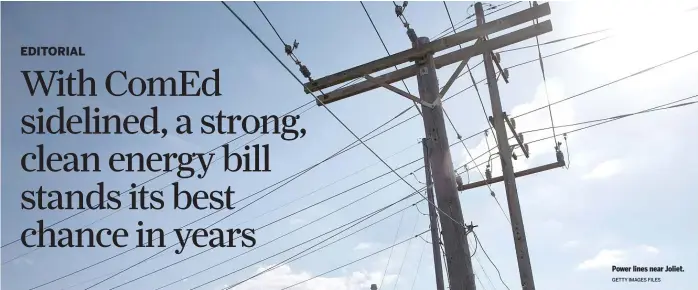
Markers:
363,246
605,258
649,249
608,258
284,276
605,169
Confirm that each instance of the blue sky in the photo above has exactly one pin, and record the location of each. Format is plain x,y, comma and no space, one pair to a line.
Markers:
627,199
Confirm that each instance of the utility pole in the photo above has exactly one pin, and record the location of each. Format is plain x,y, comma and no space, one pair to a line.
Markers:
422,54
456,244
433,224
505,153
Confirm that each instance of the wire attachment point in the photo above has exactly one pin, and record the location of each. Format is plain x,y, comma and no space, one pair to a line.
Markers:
469,228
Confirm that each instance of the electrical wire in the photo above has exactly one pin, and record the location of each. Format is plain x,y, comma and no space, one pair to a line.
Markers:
407,250
301,254
446,32
302,243
645,70
486,120
638,72
597,122
386,49
545,83
352,262
419,263
333,115
273,222
283,182
331,112
308,103
477,240
612,82
390,256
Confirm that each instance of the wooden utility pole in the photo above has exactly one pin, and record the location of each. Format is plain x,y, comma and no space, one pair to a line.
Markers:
441,165
433,223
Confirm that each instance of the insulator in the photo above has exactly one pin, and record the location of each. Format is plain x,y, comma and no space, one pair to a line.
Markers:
560,156
398,11
288,49
305,71
526,146
404,4
505,72
498,57
412,35
488,173
491,119
521,137
492,193
513,122
459,180
513,155
374,287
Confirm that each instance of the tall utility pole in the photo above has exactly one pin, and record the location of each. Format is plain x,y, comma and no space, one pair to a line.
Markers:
430,95
517,226
433,223
456,243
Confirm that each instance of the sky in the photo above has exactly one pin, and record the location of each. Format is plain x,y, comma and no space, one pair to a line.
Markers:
626,199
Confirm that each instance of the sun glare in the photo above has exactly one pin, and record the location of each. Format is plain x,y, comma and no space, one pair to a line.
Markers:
642,33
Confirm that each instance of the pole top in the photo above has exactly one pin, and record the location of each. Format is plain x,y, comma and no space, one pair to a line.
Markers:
374,287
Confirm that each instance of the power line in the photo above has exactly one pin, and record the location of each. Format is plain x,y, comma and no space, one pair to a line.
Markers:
275,221
598,122
386,49
299,244
407,250
488,258
419,263
652,67
298,255
506,5
268,21
555,40
612,82
285,181
486,120
545,83
451,97
354,261
390,256
174,244
330,111
660,107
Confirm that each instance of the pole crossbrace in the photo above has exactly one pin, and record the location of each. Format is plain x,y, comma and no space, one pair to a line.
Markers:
521,173
399,92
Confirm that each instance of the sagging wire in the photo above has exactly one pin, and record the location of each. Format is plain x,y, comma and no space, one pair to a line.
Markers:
545,84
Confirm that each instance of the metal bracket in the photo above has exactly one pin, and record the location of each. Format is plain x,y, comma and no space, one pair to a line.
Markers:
518,137
399,91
